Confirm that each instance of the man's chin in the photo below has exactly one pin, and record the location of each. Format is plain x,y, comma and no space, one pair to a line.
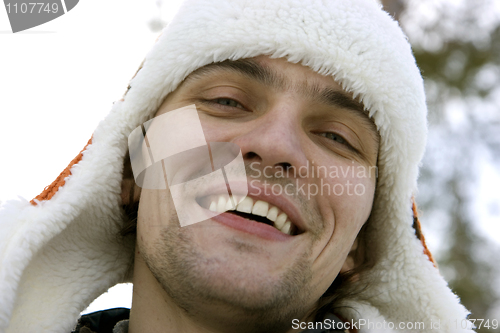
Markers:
267,305
197,281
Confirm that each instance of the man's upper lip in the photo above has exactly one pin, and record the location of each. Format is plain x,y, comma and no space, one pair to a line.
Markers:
258,192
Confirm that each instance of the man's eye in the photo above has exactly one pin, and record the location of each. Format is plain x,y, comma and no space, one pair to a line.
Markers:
227,102
335,137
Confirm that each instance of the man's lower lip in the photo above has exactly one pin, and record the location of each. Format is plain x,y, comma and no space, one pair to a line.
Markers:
251,227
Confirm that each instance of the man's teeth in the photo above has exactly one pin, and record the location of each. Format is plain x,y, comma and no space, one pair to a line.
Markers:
220,204
286,227
272,213
245,205
280,221
229,205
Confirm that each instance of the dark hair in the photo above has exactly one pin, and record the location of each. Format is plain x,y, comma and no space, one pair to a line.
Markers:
130,209
130,226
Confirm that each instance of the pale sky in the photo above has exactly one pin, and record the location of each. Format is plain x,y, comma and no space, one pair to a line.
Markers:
59,80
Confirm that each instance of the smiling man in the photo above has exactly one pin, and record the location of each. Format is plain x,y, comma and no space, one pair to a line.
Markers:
242,271
326,105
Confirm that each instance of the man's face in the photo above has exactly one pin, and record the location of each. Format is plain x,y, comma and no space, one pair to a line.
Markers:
283,116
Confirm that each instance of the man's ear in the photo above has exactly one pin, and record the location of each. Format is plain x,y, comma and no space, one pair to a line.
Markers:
355,257
130,191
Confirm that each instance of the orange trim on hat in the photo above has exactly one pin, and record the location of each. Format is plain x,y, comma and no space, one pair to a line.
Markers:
49,191
419,234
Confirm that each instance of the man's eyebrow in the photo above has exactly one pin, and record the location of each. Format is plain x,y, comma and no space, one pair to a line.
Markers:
246,67
339,99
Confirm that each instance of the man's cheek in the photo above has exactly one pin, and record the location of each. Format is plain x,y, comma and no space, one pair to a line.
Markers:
349,186
328,264
346,201
364,199
156,210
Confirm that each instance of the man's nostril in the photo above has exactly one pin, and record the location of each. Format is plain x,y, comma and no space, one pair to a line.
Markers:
284,165
250,155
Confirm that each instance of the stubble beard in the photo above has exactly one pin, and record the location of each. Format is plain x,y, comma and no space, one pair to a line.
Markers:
195,284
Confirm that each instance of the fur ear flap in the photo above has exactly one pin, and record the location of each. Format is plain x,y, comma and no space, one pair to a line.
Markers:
130,191
49,191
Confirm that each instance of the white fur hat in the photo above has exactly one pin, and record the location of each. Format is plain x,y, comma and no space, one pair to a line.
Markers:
60,252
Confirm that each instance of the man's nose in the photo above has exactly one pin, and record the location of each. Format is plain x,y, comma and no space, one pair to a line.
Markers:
274,140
